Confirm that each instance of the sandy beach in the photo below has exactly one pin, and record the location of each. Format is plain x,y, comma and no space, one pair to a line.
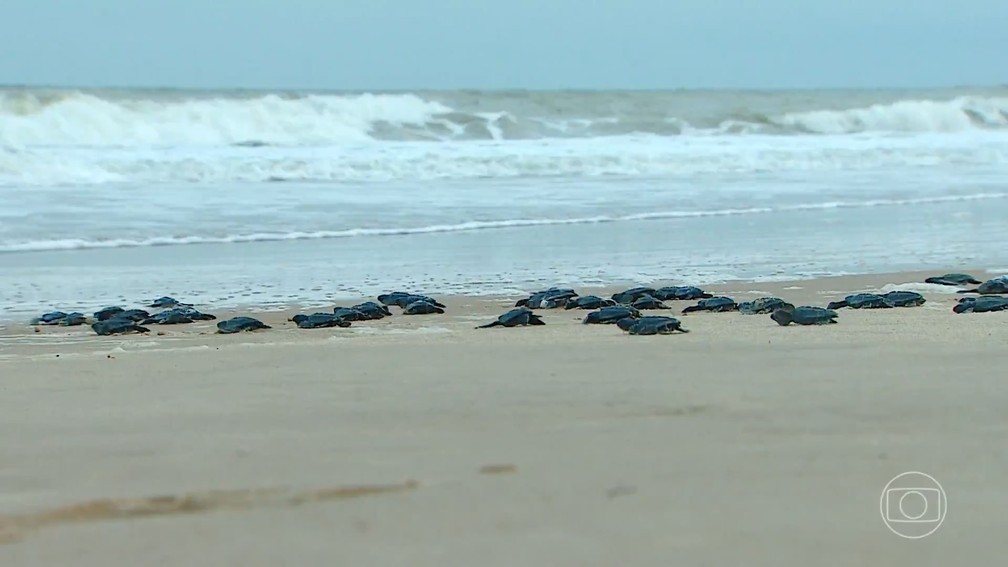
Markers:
418,440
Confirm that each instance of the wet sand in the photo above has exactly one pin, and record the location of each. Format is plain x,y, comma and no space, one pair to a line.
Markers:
422,441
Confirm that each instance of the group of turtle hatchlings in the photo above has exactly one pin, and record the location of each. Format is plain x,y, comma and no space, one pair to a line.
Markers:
622,309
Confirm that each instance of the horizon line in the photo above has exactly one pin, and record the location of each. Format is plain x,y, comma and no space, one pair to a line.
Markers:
360,90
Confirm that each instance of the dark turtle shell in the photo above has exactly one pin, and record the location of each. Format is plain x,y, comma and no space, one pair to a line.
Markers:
905,298
761,306
402,299
862,301
626,297
240,324
716,304
50,318
422,307
648,302
107,313
73,319
320,321
116,326
517,317
953,279
608,315
989,287
681,292
655,326
372,310
588,302
804,315
983,304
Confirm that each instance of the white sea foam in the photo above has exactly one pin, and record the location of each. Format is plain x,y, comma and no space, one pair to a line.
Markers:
73,118
957,115
752,185
71,137
623,156
920,287
83,119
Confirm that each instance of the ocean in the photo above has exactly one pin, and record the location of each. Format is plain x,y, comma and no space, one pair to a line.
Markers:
277,199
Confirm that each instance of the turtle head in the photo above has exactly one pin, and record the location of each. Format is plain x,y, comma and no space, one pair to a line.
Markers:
963,306
783,316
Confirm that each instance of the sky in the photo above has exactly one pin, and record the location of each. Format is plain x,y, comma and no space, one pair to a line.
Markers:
504,44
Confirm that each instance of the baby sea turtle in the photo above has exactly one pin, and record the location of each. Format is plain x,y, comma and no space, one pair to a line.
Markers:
981,304
588,302
73,319
716,304
319,321
106,313
423,307
761,306
612,314
681,292
167,302
169,317
178,316
626,322
548,298
135,315
648,302
515,318
953,279
804,315
904,298
50,318
628,296
862,301
392,298
117,326
402,299
350,314
372,310
989,287
240,324
651,326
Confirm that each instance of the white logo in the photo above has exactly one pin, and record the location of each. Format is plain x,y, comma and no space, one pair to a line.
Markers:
913,505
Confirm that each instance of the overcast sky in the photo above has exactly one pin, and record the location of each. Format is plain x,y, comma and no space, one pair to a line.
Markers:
538,44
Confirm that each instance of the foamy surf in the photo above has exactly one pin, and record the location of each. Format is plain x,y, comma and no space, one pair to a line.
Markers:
284,198
919,287
70,118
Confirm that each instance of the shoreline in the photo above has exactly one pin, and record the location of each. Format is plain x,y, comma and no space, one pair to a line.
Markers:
418,440
462,314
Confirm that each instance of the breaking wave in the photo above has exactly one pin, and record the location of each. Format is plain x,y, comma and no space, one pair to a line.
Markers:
35,118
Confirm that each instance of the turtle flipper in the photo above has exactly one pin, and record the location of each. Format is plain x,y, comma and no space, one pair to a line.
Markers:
836,304
488,325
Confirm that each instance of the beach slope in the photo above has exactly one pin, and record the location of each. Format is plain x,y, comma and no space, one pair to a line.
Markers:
422,441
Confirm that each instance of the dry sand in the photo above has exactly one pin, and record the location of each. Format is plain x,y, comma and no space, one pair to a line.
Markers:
421,441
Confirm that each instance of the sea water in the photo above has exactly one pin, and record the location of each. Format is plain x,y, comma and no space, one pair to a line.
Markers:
231,198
